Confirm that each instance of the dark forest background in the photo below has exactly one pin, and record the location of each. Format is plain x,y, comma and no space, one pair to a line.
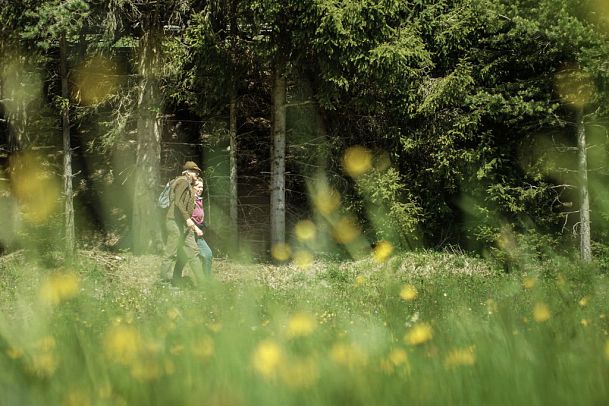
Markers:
478,125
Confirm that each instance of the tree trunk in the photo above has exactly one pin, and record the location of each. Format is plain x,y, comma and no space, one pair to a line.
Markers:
584,199
233,177
146,228
278,154
234,228
67,151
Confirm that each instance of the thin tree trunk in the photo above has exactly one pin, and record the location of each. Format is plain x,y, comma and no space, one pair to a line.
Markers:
234,229
146,229
278,154
584,199
67,152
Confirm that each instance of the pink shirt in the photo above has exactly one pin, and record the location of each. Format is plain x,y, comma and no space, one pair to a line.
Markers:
198,214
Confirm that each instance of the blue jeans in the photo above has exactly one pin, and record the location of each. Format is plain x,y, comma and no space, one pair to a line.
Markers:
206,255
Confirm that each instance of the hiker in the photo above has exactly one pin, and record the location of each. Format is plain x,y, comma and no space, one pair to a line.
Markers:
181,229
198,216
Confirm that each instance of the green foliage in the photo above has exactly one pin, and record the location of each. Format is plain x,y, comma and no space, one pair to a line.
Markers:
393,213
53,19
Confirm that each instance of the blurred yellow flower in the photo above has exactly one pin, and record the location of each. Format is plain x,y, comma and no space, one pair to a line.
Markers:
408,292
529,282
420,333
303,259
29,177
606,350
146,369
122,343
76,397
345,230
396,358
574,86
59,287
267,358
300,374
14,353
173,313
281,251
326,200
44,364
215,327
584,301
204,347
105,391
96,80
460,356
176,349
348,355
301,325
382,251
357,160
541,312
169,367
305,230
584,322
360,280
46,343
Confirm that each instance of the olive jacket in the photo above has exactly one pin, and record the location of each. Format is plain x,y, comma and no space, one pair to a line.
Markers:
182,200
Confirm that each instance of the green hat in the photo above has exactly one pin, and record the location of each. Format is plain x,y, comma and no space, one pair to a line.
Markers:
191,166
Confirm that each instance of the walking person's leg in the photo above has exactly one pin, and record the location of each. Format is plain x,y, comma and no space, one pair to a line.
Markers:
172,250
191,255
206,255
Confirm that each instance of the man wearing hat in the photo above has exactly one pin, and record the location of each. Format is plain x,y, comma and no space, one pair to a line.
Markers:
181,229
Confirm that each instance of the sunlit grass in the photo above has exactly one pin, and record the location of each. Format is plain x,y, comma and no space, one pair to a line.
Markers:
350,333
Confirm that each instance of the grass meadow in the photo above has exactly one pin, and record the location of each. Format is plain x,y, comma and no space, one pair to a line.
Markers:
420,328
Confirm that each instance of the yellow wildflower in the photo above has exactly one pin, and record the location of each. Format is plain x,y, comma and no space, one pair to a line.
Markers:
529,282
460,356
46,343
583,302
348,355
44,364
345,230
300,374
382,251
360,280
146,369
420,333
267,358
76,397
14,353
326,200
281,251
408,292
357,161
215,327
303,259
173,314
396,358
122,343
541,312
204,347
59,287
300,325
305,230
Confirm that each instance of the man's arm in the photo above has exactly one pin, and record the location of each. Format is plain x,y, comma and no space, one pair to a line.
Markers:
182,195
